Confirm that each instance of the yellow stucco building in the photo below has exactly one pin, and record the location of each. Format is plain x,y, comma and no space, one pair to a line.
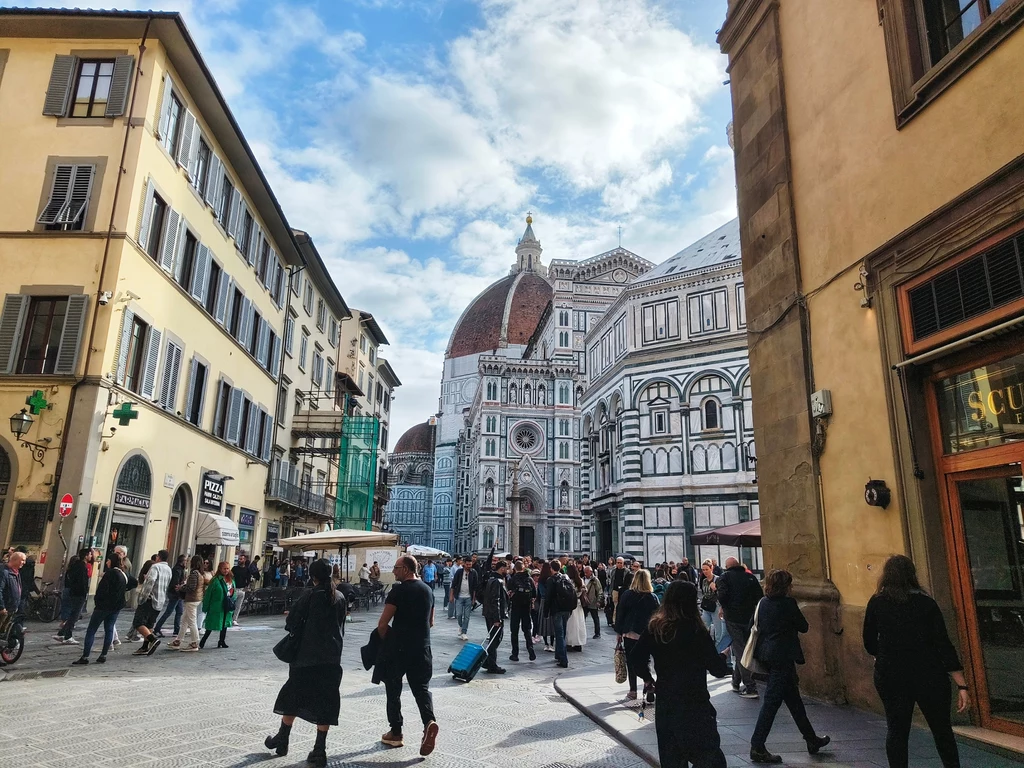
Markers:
145,262
880,172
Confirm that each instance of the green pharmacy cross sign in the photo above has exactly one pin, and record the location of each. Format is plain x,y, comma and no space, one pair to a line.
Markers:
36,402
124,413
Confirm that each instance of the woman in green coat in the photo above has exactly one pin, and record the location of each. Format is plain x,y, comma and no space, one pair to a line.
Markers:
218,614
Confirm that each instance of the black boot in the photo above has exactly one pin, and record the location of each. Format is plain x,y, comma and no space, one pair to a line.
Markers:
318,755
279,741
815,744
206,635
223,636
762,755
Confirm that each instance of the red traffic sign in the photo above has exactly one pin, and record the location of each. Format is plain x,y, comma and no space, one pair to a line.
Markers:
67,505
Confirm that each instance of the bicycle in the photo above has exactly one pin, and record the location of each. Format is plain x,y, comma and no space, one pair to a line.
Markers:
12,638
44,604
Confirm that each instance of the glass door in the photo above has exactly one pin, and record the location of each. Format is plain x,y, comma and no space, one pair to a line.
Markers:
988,532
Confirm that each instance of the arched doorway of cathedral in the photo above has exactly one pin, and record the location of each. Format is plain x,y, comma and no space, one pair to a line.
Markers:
529,509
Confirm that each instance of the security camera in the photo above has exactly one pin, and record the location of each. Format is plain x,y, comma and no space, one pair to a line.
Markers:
105,297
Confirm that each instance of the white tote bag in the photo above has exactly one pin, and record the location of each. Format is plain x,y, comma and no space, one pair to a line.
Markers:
754,666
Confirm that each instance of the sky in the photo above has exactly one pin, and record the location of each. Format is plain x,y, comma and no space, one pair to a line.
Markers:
411,137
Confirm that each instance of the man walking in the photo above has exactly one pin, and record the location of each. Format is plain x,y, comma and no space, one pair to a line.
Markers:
404,628
445,577
621,578
495,611
464,586
242,577
76,580
524,595
428,574
559,606
10,590
592,594
174,598
739,593
152,600
452,570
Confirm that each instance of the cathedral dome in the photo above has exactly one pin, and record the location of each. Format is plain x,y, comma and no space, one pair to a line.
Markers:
505,313
418,439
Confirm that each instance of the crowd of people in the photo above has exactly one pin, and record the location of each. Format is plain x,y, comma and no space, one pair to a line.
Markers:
690,623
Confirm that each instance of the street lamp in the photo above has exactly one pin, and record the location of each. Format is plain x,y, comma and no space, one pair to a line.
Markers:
21,423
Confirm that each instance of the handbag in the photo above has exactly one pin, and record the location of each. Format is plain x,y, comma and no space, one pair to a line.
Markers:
287,648
619,660
748,660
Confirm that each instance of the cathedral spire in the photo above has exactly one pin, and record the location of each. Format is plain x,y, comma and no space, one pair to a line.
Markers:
528,251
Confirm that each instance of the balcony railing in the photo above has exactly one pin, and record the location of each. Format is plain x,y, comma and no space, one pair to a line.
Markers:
299,498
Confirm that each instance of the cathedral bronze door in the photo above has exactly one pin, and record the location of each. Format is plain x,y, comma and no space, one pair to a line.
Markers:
526,540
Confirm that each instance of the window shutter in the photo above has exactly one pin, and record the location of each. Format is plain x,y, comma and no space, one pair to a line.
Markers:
171,375
122,346
268,433
165,108
71,336
233,212
188,129
245,325
12,324
252,434
263,344
254,245
146,214
120,85
62,78
78,195
202,269
152,361
193,151
170,241
190,392
59,189
223,291
234,416
214,183
275,355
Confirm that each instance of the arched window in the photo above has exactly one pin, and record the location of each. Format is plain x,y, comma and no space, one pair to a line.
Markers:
135,476
488,537
563,450
711,414
563,394
564,540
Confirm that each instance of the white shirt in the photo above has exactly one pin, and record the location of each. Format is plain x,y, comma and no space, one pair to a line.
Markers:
364,573
464,586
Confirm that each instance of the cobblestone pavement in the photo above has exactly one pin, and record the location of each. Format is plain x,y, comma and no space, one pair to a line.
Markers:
214,708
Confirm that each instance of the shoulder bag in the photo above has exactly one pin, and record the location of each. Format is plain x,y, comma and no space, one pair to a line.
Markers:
748,660
287,648
620,663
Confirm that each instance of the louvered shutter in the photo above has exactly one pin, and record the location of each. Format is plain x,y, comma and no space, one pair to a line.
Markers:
120,85
214,183
188,129
169,245
268,433
233,212
59,188
78,195
12,324
273,276
71,335
146,215
263,344
255,243
234,416
252,432
152,361
171,375
191,388
219,310
202,270
245,324
275,355
127,320
193,151
62,78
165,108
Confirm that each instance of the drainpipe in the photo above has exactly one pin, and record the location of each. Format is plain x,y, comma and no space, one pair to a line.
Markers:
99,284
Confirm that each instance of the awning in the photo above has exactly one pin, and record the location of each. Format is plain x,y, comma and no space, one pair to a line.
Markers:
418,550
746,534
216,529
341,537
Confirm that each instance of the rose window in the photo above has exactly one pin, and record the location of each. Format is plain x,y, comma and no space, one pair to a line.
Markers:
526,439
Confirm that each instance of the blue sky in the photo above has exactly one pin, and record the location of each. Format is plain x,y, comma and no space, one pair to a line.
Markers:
410,137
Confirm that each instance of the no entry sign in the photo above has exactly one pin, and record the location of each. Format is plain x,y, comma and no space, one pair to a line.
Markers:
67,505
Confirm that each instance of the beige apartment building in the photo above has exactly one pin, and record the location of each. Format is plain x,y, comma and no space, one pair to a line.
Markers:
145,260
880,178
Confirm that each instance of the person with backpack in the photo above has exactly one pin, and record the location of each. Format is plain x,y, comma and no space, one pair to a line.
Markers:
636,606
109,600
495,607
524,595
560,601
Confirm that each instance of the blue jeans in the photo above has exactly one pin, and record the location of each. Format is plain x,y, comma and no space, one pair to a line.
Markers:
561,620
715,625
446,590
108,619
451,607
463,606
177,605
75,605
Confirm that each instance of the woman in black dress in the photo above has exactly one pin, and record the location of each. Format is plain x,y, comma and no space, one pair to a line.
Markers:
683,654
914,659
779,622
313,690
636,606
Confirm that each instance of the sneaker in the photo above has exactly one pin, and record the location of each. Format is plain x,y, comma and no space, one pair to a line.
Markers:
141,651
83,661
762,755
192,648
70,641
117,641
631,696
596,637
513,657
463,636
158,632
174,645
815,744
392,739
429,738
101,660
152,647
735,689
495,670
549,649
749,693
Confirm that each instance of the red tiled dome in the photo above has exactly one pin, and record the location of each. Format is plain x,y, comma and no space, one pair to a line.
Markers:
418,439
520,298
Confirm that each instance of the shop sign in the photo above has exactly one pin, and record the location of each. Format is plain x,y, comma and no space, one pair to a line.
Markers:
982,407
134,500
211,495
273,529
247,519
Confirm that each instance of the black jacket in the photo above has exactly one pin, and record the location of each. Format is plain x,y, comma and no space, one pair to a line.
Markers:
77,579
110,592
634,612
28,577
495,599
523,591
320,623
242,576
738,594
682,664
779,624
621,579
176,588
474,581
602,576
909,635
10,589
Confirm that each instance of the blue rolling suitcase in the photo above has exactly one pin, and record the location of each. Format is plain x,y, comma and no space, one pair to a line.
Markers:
469,660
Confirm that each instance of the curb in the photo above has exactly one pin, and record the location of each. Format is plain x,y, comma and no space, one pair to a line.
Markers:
615,733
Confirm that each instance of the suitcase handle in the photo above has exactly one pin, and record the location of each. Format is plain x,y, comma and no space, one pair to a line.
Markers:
491,636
